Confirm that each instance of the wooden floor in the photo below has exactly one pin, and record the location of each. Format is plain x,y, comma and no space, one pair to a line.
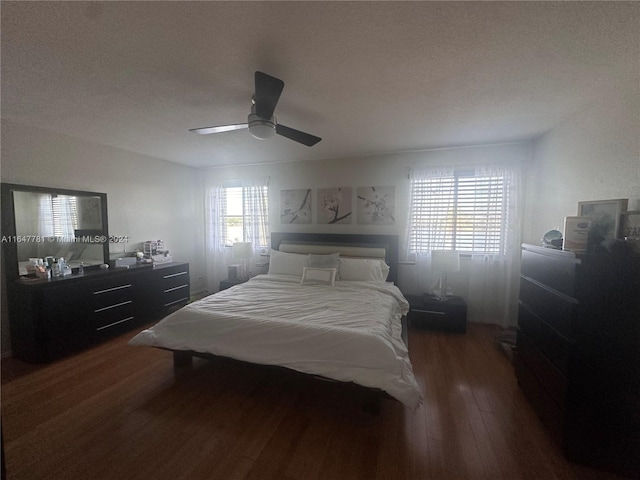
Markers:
120,412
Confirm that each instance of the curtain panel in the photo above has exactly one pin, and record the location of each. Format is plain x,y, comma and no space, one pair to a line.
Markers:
255,227
489,282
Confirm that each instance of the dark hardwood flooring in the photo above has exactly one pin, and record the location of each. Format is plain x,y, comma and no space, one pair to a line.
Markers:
120,412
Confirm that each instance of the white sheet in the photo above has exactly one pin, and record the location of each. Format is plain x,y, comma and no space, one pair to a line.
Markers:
316,329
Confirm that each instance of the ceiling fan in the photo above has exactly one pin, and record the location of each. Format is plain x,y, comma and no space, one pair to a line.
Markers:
261,122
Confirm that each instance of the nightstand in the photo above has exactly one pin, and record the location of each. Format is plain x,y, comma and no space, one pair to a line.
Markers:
429,312
228,283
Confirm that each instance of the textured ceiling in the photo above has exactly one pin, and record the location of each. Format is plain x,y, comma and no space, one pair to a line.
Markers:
367,77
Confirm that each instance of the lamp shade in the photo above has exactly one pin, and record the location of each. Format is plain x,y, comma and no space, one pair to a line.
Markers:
445,261
242,250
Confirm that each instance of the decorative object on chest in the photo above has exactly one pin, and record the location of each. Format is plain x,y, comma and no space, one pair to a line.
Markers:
429,312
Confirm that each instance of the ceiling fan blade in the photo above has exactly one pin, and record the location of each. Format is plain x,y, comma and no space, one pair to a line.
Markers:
268,90
297,136
219,129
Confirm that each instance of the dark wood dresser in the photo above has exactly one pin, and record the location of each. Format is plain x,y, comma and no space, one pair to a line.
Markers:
56,317
578,352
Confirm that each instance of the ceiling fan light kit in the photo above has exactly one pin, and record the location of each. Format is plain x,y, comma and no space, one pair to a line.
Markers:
261,122
261,128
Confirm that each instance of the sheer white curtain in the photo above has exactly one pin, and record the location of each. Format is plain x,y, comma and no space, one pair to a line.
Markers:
488,280
255,223
256,216
45,216
214,237
494,280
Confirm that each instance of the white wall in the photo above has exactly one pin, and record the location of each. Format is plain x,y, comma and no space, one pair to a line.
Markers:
594,155
382,170
148,198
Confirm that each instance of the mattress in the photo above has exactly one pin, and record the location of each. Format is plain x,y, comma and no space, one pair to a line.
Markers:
349,331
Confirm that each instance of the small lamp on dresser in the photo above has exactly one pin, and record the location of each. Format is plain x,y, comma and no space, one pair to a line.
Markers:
444,261
243,251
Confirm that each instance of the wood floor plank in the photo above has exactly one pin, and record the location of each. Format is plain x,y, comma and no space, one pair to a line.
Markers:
117,411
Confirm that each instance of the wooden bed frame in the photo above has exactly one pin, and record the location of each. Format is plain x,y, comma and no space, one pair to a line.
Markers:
371,396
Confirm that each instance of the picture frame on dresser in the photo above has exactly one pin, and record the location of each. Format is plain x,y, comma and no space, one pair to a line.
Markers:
605,217
630,224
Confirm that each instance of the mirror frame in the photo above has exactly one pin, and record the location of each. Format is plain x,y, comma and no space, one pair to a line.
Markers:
10,249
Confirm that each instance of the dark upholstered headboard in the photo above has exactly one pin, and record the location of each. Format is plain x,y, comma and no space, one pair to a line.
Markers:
388,242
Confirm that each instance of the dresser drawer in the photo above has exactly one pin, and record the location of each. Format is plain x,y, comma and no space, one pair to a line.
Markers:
552,343
114,315
113,303
106,295
553,268
549,376
174,282
546,407
176,296
556,309
175,278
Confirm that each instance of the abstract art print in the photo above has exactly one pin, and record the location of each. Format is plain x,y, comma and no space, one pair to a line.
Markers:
334,205
376,205
295,206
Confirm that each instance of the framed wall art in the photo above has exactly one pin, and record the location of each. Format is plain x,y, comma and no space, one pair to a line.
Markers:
605,218
334,205
376,205
295,206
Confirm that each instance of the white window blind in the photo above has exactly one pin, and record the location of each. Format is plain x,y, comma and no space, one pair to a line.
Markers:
244,212
58,215
459,210
65,215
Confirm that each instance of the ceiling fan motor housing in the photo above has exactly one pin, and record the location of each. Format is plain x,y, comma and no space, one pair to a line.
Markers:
261,128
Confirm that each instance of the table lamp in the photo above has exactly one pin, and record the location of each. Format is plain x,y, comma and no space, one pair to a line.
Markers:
444,261
243,251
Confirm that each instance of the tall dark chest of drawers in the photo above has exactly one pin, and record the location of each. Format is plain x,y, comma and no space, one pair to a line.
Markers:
578,352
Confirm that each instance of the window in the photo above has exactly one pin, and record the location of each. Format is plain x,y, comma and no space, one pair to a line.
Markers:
244,215
65,215
58,215
464,209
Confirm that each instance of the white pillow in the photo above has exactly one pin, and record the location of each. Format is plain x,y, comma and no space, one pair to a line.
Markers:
363,269
324,261
283,263
385,270
318,276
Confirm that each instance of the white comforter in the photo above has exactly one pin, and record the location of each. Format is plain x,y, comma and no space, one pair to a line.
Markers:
349,332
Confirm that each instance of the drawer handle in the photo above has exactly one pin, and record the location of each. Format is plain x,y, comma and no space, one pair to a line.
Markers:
176,301
98,292
428,311
175,274
175,288
114,323
112,306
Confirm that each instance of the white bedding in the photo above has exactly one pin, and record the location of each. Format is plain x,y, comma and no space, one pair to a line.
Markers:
316,329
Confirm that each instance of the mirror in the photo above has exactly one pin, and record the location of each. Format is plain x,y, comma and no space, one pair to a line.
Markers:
39,223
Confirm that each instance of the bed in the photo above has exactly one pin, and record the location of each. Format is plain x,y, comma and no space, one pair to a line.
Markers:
328,307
